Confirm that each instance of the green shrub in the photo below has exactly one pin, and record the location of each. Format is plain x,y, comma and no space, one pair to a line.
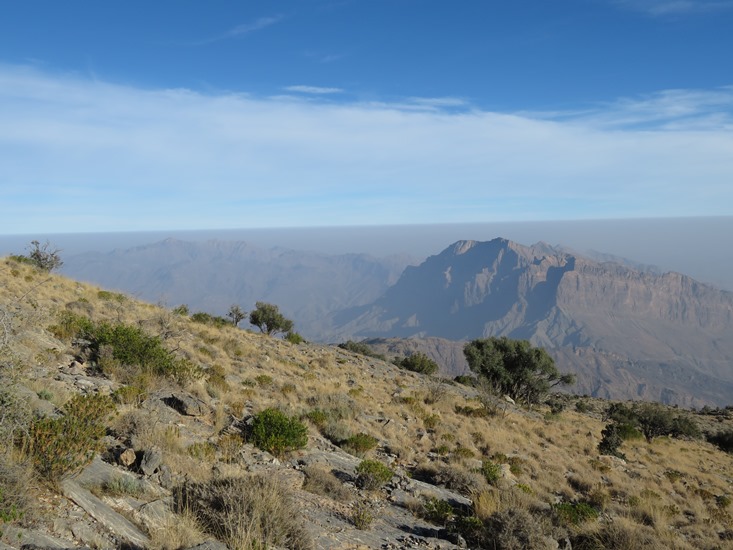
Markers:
361,348
120,345
359,444
318,417
419,362
111,296
491,471
723,440
611,441
210,320
574,513
69,324
362,515
181,310
438,511
275,432
294,338
582,407
59,446
372,474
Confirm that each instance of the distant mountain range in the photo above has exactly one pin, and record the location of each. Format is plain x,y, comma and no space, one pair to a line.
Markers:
212,275
625,329
626,333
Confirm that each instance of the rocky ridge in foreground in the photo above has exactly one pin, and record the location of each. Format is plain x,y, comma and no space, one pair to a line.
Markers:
177,462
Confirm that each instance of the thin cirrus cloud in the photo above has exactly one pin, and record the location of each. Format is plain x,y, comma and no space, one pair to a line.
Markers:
82,155
675,7
317,90
242,30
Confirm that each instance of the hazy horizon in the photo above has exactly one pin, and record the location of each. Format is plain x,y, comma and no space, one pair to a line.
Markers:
698,247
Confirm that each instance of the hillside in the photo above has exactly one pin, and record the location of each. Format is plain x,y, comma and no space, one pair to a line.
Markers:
181,459
626,333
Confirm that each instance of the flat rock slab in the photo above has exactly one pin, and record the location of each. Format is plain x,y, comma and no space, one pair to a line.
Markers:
118,525
29,537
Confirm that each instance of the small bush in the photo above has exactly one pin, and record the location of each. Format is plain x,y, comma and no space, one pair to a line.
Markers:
210,320
294,338
574,513
722,440
361,348
275,432
419,362
359,444
611,441
372,474
438,511
362,515
59,446
491,471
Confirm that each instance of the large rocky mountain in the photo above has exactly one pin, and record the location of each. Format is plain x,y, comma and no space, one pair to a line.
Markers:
626,333
212,275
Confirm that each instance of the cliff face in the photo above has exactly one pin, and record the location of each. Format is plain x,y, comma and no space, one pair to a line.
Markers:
626,333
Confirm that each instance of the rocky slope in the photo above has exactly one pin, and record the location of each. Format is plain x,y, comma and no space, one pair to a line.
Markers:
626,333
464,467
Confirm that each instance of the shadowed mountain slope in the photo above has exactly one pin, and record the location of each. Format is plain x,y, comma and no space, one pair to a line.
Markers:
626,333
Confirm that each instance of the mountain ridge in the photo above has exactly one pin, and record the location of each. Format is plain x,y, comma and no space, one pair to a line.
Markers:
589,313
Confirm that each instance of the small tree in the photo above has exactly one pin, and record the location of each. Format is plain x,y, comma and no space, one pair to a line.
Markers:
419,362
44,257
515,368
236,314
268,319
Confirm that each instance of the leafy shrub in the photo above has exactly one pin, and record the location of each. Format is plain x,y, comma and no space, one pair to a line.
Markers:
275,432
59,446
438,511
470,381
491,471
359,444
611,441
181,310
361,348
574,513
254,512
372,474
723,440
318,417
582,407
111,296
69,324
294,338
419,362
210,320
362,515
121,345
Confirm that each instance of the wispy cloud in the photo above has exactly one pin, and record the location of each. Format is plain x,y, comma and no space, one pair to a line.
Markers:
243,29
318,90
675,7
119,158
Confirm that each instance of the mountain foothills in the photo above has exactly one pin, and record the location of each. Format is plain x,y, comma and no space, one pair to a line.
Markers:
130,425
626,330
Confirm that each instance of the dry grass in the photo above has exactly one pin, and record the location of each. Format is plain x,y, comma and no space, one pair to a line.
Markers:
552,458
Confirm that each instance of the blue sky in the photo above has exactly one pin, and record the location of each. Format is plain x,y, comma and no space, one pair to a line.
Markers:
188,115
